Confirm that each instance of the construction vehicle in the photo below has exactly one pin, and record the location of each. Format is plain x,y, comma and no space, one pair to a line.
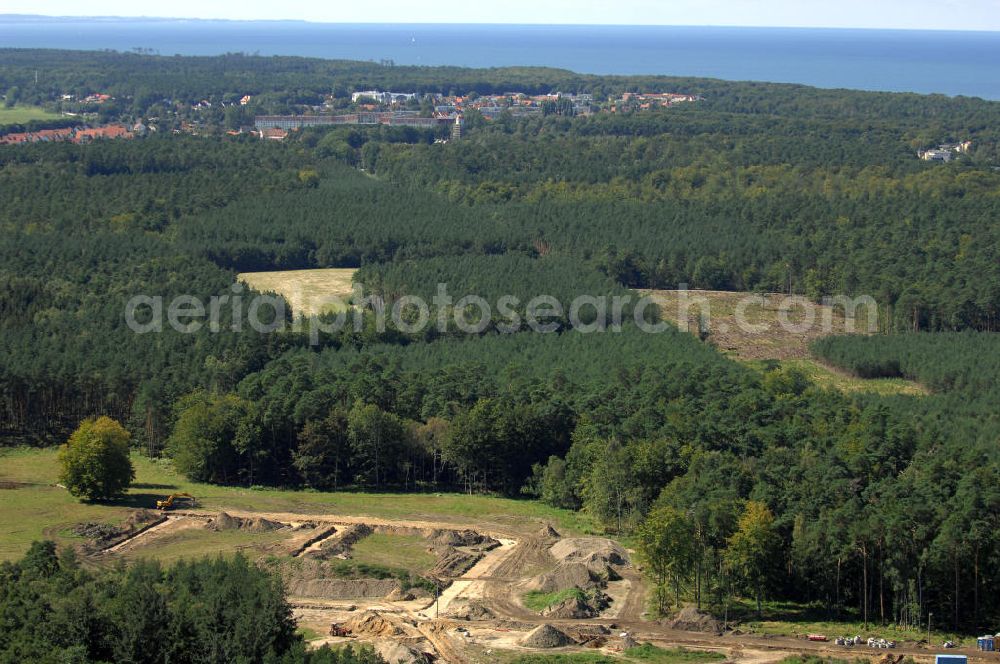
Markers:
168,502
339,630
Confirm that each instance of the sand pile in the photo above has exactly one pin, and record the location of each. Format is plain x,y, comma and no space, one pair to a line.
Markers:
400,595
224,521
472,610
546,636
595,552
571,607
690,619
373,623
564,576
398,653
467,538
547,532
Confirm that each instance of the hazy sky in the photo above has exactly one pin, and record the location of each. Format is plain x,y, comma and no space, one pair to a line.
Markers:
941,14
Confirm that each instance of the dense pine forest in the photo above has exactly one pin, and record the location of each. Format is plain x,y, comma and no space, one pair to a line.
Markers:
886,508
55,610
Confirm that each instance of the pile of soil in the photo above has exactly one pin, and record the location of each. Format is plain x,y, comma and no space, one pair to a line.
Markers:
398,653
473,610
690,619
224,521
400,595
571,607
595,552
139,518
467,538
546,636
564,576
373,623
548,532
453,563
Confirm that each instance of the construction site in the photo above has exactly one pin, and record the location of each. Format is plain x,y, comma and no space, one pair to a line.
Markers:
429,591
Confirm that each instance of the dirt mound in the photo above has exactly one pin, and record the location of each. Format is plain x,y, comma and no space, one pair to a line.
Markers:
262,525
453,563
468,538
597,552
139,518
398,653
373,623
548,532
224,521
690,619
400,595
567,575
546,636
472,610
891,659
571,607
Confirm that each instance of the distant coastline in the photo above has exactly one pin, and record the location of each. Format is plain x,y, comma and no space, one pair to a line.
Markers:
922,61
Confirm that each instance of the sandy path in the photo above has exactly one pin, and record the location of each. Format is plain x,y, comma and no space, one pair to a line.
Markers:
472,583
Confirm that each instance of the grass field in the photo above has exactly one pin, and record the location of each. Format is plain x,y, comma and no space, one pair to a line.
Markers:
38,509
647,653
22,114
790,619
406,552
198,542
539,601
304,290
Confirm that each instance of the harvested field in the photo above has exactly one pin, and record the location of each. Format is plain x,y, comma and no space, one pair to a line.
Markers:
305,290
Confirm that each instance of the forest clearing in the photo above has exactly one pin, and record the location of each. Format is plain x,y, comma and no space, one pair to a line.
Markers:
305,290
774,341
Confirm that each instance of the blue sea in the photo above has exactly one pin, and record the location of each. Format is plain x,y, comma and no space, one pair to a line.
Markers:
952,63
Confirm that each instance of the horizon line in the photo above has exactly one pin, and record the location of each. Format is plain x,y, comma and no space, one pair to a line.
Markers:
69,17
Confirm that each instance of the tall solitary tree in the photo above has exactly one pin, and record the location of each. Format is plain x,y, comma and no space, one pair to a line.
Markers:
95,462
667,544
753,548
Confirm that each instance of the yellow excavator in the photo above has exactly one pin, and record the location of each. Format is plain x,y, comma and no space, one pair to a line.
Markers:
168,503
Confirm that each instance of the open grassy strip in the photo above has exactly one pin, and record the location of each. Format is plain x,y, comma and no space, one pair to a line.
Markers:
406,552
37,509
199,542
796,619
537,600
647,652
22,114
566,658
